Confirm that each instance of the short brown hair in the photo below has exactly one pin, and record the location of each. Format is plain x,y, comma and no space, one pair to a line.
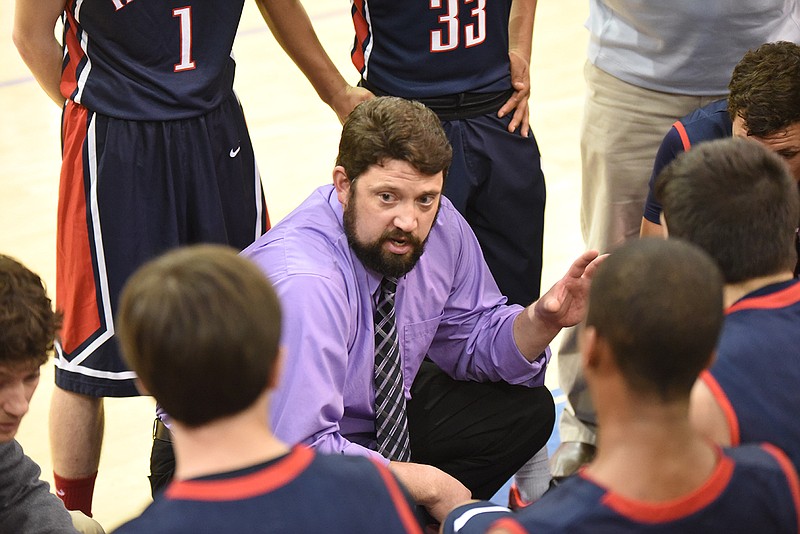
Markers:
28,324
658,304
201,326
391,128
765,88
736,200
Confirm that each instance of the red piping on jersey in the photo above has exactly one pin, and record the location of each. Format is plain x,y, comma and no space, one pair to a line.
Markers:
508,525
247,486
75,283
678,125
406,515
791,475
69,72
725,405
362,32
779,299
652,513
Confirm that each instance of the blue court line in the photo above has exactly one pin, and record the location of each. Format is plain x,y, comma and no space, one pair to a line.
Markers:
17,81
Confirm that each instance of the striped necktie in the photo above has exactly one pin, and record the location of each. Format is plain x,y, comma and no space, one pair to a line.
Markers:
391,424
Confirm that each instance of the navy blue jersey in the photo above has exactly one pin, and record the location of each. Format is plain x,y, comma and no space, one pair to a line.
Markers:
149,59
703,124
427,48
757,371
752,489
301,492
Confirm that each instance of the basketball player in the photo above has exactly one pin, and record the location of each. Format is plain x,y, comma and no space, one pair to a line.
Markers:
763,104
28,327
655,312
201,328
156,154
738,201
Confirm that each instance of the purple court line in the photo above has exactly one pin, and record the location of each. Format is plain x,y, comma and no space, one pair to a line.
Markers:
320,16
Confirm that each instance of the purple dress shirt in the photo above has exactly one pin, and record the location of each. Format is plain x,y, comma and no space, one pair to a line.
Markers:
448,307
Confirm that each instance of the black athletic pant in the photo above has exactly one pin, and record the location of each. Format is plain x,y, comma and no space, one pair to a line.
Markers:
480,433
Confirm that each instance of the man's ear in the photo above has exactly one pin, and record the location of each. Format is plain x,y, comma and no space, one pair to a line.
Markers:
588,344
277,369
342,184
664,227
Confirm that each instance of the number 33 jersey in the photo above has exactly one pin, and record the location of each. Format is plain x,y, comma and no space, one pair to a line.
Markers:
427,48
149,59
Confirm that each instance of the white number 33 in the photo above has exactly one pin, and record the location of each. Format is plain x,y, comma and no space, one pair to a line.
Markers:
474,31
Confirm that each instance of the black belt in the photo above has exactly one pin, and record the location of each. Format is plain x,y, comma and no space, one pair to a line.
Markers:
458,106
161,432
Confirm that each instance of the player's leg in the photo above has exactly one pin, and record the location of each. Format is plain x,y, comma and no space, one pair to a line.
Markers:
88,366
480,433
224,204
498,185
225,201
76,426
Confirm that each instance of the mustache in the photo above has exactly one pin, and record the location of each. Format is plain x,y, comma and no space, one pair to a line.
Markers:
399,235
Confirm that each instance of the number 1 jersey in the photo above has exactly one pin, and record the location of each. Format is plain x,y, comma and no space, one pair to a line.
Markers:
149,59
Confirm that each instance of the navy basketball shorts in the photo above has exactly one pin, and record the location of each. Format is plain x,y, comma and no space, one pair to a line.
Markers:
496,182
129,191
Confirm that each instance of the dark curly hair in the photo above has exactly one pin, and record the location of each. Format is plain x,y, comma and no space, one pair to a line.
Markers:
28,324
765,88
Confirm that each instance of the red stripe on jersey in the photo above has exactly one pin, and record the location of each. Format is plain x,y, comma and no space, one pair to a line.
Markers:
76,292
69,72
247,486
652,513
678,125
403,510
362,32
725,405
506,525
780,299
791,475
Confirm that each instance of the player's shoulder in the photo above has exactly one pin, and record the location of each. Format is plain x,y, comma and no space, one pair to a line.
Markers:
711,121
759,457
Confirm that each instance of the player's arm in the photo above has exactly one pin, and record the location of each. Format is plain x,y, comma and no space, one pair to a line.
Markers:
34,37
668,150
430,487
520,39
706,414
651,229
289,23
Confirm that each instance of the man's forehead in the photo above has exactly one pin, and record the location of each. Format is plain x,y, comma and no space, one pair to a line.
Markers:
786,135
25,367
401,174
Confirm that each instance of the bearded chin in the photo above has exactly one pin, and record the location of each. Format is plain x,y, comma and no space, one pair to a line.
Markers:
374,256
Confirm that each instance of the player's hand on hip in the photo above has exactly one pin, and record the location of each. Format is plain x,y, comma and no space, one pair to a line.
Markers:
346,100
518,102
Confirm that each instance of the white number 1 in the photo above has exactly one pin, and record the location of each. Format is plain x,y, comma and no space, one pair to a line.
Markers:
185,14
474,34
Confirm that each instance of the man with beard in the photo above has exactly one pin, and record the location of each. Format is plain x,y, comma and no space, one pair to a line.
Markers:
377,271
